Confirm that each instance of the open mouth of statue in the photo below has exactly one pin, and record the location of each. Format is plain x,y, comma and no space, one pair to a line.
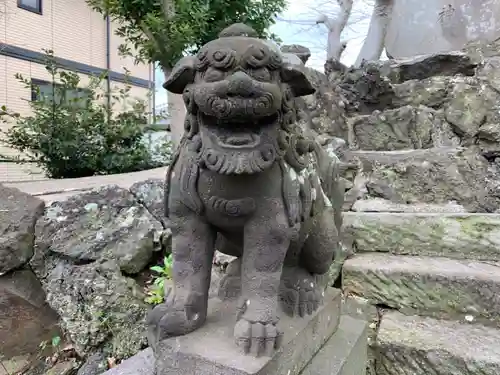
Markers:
238,132
239,140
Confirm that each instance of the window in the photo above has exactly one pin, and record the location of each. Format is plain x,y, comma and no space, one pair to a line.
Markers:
34,6
44,90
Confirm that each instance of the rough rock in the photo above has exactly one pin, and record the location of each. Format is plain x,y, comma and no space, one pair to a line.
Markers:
366,89
151,193
18,214
440,287
302,52
105,223
437,176
410,345
453,235
425,66
85,246
397,129
431,92
324,111
99,308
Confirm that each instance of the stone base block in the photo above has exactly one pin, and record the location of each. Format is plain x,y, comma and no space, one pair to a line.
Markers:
211,350
345,353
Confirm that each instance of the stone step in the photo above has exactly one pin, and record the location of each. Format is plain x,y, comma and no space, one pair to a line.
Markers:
452,235
345,353
411,345
439,287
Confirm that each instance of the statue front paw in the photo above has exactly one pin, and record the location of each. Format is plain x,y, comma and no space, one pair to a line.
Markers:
257,338
173,319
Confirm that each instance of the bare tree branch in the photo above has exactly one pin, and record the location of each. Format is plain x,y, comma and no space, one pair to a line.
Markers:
335,26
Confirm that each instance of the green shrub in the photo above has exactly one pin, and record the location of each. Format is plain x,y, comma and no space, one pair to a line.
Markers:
72,131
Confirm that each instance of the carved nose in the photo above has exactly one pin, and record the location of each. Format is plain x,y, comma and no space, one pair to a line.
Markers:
240,84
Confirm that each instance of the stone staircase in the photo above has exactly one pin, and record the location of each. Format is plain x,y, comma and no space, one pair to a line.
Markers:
435,280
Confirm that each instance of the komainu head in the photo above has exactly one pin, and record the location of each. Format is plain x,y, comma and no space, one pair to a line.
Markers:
239,92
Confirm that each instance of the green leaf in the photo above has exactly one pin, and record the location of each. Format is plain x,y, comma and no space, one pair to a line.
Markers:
56,341
157,269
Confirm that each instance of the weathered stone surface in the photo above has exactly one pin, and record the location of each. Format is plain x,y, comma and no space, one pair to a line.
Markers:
94,364
397,129
441,287
211,350
431,92
25,318
410,345
84,246
324,111
105,223
384,205
302,52
99,308
425,66
437,176
151,193
467,109
143,363
18,215
345,353
366,89
462,236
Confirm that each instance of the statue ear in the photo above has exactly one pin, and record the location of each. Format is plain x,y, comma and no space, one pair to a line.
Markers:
294,75
182,75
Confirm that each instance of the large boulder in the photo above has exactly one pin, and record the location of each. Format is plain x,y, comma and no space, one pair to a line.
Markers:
100,309
105,223
86,248
18,214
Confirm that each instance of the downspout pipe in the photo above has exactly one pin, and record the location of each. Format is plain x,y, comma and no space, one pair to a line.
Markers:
108,63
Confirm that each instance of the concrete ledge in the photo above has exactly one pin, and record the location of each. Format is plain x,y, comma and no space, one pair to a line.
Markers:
143,363
52,190
345,353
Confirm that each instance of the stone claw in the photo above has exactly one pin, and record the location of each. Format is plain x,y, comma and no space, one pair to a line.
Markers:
172,319
257,339
300,292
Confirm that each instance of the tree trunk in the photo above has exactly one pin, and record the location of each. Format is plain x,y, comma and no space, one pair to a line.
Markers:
375,39
335,46
177,114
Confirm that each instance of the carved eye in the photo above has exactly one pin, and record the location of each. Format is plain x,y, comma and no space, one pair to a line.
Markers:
261,74
213,75
256,57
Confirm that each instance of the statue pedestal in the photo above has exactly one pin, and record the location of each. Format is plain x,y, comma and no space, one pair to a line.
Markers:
211,350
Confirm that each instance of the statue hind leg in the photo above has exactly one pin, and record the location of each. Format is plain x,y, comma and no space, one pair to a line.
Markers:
306,276
230,284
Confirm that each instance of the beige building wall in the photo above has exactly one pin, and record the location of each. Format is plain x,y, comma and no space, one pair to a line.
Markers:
75,33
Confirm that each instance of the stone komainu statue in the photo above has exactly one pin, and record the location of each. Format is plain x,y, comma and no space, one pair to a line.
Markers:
245,180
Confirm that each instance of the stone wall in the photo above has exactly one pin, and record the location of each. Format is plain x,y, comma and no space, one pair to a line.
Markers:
420,148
